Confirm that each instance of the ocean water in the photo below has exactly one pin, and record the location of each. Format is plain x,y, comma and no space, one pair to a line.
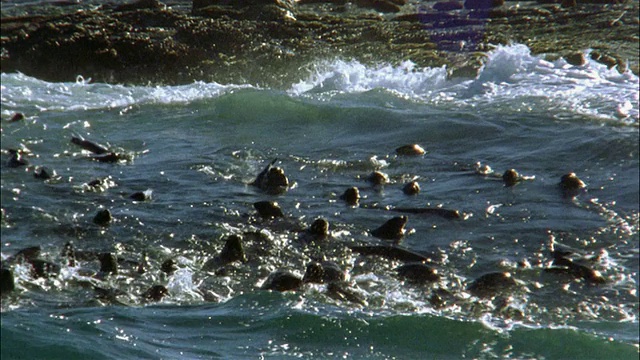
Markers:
197,146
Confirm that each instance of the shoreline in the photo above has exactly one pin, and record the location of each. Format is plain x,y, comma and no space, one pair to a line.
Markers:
273,43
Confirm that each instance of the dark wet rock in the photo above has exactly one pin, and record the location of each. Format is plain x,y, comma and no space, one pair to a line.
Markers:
410,150
411,188
342,292
156,293
169,266
268,209
103,217
272,179
510,177
89,145
282,280
108,263
482,4
418,272
392,229
445,213
7,283
141,195
378,178
17,117
351,196
391,252
324,272
447,5
387,6
490,284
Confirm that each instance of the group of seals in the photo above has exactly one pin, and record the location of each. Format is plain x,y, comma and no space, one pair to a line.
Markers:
415,267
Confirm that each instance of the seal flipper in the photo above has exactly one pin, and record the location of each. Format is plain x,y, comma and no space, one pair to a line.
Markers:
259,179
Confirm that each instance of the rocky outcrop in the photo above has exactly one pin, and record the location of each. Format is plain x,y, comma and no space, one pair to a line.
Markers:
270,42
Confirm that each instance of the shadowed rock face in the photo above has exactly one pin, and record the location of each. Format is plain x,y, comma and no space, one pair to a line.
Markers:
262,42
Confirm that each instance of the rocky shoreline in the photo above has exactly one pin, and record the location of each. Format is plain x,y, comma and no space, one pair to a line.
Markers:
274,42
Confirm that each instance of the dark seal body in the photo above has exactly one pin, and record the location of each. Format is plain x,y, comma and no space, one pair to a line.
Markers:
392,229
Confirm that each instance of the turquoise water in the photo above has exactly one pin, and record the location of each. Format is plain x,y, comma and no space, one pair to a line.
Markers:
197,147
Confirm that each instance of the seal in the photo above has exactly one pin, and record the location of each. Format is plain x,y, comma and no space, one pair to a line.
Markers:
324,272
392,229
169,266
411,188
318,231
141,195
378,178
103,217
16,159
570,183
7,283
155,293
272,179
410,150
510,177
268,209
562,263
491,283
89,145
108,263
282,280
339,290
418,272
351,196
445,213
17,117
43,173
231,252
391,252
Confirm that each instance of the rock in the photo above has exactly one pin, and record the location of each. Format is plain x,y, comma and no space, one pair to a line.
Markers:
575,58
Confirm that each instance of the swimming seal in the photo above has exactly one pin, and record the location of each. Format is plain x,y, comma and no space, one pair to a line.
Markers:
268,209
392,229
418,272
491,283
89,145
410,150
103,217
570,183
232,251
411,188
378,178
16,159
282,280
272,179
445,213
318,231
391,252
17,117
7,283
169,266
324,272
340,291
510,177
108,263
141,195
351,196
43,173
155,293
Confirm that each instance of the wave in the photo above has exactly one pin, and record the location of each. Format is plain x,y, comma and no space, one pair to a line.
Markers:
273,325
512,80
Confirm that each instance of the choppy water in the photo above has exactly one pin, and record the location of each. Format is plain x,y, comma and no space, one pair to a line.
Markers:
198,146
